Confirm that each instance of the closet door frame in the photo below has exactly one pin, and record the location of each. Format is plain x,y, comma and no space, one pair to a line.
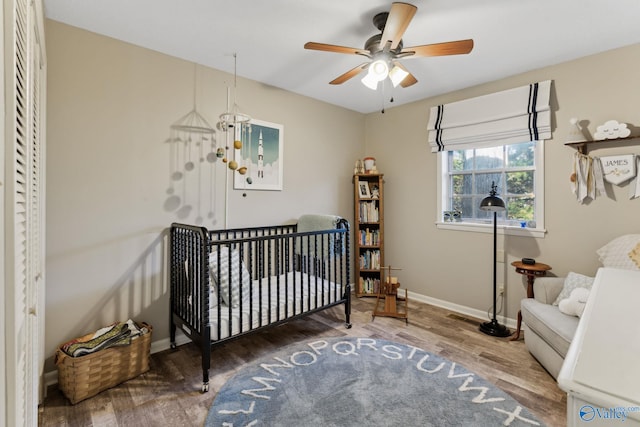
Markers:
22,211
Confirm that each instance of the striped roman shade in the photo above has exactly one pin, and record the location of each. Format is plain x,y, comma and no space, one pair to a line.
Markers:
508,117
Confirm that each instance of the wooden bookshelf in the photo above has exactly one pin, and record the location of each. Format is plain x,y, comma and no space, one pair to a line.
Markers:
368,233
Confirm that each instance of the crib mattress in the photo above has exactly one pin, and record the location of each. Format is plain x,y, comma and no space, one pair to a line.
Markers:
289,294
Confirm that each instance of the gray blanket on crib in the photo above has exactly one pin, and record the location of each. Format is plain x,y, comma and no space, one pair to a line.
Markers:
312,222
318,222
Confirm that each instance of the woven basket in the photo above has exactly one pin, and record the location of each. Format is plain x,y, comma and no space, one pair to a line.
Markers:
82,377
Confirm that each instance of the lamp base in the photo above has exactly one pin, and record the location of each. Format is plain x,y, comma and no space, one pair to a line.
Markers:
495,329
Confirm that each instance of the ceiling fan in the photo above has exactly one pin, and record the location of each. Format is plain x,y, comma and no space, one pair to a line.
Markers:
385,49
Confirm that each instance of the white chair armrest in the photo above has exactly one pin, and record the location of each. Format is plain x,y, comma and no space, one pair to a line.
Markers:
547,289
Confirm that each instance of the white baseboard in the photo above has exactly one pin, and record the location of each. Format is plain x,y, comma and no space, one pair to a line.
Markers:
165,343
479,314
51,377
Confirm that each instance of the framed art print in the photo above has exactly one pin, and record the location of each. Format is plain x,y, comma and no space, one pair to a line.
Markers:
262,154
363,190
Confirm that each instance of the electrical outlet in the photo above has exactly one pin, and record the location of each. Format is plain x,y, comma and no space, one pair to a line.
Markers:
501,290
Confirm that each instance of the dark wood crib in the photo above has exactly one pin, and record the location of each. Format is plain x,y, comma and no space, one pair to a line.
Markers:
229,283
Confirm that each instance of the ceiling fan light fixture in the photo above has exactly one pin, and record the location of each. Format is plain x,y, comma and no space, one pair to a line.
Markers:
378,71
370,81
397,75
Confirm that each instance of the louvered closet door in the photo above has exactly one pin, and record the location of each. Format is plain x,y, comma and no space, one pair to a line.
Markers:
24,211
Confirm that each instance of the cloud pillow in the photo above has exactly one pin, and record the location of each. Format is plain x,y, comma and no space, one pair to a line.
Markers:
571,282
575,304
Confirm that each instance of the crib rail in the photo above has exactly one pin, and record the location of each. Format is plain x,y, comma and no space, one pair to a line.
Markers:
190,278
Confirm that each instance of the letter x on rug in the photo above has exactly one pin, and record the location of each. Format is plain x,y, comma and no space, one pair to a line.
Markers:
362,382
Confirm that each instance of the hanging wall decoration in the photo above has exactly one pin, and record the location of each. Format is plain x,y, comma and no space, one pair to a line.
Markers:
587,177
262,155
634,187
618,169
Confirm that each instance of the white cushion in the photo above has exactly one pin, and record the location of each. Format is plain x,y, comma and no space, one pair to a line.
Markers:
237,268
571,282
619,253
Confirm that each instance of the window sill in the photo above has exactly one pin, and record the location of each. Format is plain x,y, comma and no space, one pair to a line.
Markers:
537,233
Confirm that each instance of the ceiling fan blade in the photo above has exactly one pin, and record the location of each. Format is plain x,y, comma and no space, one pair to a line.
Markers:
438,49
333,48
398,20
349,74
410,79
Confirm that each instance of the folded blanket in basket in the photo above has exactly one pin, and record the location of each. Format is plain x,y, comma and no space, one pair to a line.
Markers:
118,334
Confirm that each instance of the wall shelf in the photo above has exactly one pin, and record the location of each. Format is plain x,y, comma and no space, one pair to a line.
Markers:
582,146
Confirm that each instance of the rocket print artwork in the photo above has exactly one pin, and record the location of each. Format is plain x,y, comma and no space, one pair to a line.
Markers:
262,155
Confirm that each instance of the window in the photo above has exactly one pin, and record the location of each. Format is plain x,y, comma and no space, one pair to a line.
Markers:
466,178
497,137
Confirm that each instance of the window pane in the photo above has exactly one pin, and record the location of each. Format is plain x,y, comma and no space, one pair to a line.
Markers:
521,208
464,205
490,158
520,183
519,155
461,184
461,160
484,180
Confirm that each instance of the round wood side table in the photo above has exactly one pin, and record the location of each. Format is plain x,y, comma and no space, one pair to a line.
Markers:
531,271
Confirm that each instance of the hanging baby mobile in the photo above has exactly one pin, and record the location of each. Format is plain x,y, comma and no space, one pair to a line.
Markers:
237,129
590,173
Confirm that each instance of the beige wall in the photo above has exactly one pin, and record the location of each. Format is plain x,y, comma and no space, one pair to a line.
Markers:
454,266
110,106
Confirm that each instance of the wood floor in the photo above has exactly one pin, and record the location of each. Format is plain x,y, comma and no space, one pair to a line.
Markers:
169,394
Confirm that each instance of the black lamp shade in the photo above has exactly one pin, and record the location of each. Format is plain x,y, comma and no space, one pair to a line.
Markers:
493,204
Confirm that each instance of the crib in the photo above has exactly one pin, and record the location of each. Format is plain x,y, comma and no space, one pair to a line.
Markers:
229,283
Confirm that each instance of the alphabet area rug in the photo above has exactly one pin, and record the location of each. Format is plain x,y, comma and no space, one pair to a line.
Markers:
362,382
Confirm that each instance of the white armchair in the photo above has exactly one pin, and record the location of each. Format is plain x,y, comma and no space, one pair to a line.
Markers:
549,332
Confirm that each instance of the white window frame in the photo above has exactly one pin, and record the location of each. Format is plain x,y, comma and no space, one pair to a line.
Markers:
538,232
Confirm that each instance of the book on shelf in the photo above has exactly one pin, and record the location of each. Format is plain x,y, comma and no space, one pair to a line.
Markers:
369,285
369,212
369,237
370,260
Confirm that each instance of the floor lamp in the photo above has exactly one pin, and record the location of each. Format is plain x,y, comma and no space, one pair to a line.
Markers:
494,204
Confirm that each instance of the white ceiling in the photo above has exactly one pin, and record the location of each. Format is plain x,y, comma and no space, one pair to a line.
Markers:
511,37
